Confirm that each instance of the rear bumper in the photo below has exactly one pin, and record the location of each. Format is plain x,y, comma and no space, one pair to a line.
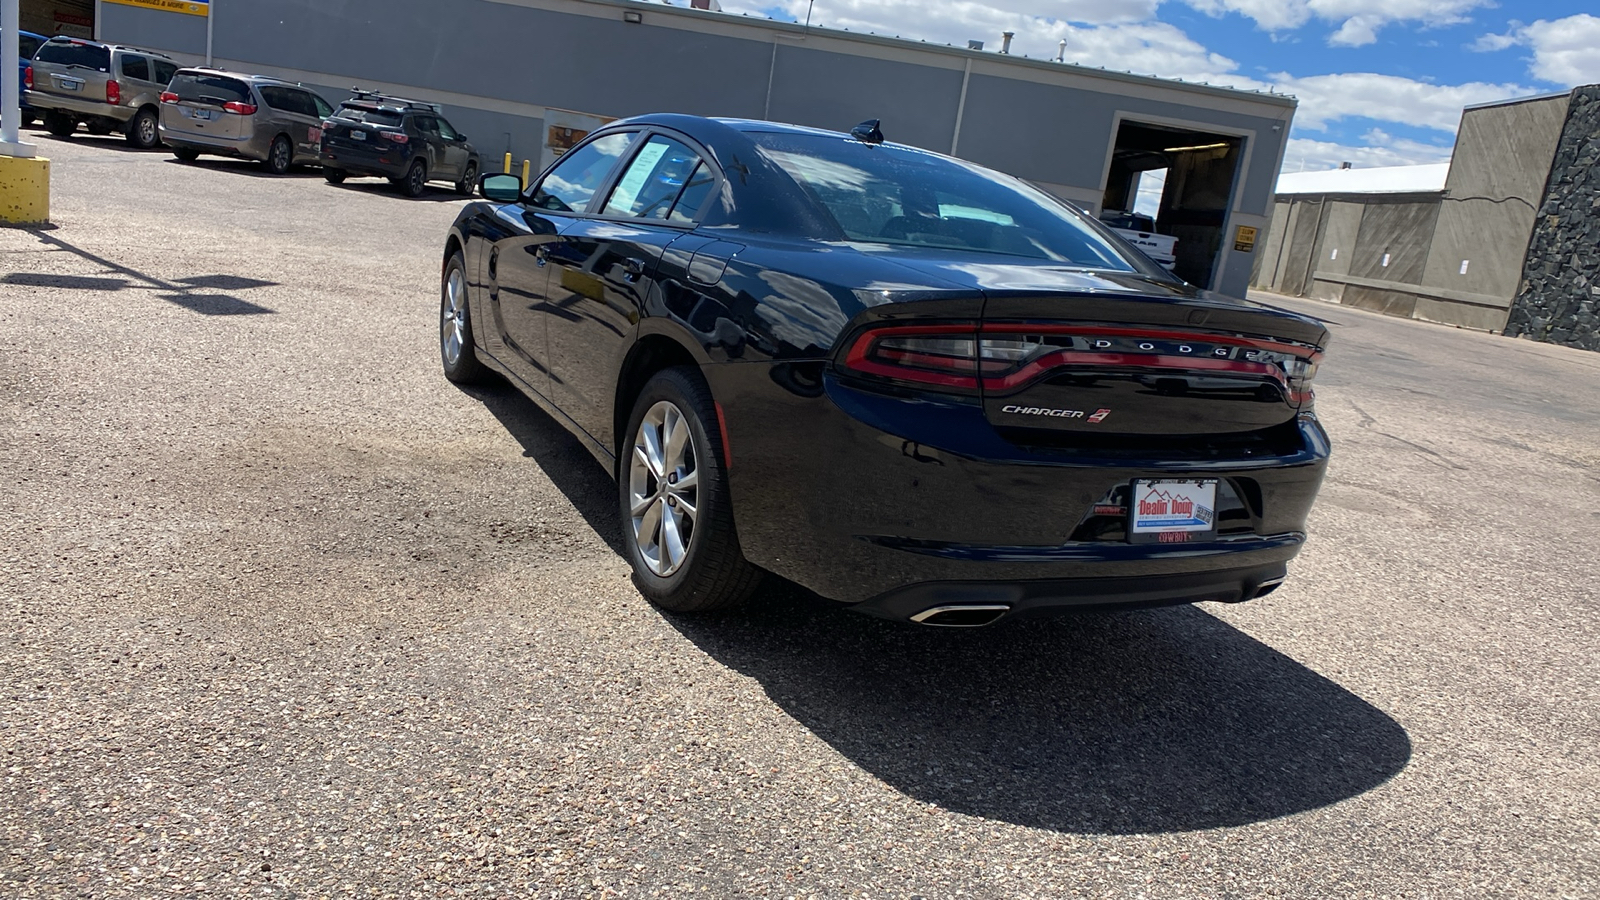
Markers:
365,163
78,106
899,504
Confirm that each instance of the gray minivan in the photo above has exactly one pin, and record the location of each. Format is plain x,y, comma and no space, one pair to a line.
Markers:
215,111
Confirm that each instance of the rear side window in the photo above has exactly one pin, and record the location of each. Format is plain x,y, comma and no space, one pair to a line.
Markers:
574,180
28,46
322,107
136,67
656,179
288,100
164,71
381,117
213,89
72,53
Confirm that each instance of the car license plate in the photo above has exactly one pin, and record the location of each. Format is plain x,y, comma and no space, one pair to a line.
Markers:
202,114
71,84
1172,510
358,135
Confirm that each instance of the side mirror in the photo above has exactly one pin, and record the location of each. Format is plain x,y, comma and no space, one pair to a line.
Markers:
501,188
461,137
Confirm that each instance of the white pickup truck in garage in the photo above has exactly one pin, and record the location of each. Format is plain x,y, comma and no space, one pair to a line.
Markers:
1140,231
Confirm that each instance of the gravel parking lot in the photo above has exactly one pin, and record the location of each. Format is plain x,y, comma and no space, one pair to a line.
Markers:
286,614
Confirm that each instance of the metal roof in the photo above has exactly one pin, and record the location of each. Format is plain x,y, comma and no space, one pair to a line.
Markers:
1379,180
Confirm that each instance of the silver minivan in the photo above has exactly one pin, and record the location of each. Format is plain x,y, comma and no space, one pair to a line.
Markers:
215,111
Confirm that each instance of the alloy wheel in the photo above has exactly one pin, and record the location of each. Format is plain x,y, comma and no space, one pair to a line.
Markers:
664,488
453,328
147,131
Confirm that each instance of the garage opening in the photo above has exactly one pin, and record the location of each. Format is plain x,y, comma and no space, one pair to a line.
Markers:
1194,173
74,18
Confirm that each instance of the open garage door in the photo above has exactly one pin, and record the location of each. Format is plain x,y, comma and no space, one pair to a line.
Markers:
1201,170
52,17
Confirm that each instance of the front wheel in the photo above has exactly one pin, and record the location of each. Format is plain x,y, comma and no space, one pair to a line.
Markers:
335,176
416,180
677,520
469,180
142,131
456,346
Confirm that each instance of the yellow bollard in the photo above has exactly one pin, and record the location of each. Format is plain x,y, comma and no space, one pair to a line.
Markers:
525,165
508,162
24,190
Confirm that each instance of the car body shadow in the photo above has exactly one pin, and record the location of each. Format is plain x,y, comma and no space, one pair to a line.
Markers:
382,188
1150,721
248,167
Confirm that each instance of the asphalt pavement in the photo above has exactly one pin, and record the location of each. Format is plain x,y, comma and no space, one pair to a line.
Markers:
285,614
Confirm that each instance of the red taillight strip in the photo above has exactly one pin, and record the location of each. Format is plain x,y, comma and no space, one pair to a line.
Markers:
1049,361
1199,337
858,360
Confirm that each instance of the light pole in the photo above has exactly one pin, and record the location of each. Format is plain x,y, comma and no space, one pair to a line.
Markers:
24,179
10,107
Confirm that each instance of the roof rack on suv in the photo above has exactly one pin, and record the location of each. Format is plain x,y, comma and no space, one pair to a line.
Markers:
383,99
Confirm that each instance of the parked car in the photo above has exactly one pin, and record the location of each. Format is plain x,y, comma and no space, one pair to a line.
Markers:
406,141
906,382
105,87
1140,231
27,44
274,122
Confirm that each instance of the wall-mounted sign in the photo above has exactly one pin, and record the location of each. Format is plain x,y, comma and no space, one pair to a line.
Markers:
190,7
1245,240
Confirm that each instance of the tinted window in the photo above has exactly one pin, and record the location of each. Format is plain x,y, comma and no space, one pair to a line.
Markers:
164,71
213,89
896,195
323,109
136,67
446,132
574,180
28,46
426,124
382,117
654,180
70,53
289,100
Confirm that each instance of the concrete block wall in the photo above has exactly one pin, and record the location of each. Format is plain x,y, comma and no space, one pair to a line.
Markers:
1559,297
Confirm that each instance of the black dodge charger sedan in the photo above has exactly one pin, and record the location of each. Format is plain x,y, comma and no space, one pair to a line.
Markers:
909,383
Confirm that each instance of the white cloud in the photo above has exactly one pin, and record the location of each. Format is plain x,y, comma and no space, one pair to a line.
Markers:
1564,50
1358,20
1325,99
1305,155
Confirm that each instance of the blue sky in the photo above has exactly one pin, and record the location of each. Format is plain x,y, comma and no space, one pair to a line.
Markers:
1380,82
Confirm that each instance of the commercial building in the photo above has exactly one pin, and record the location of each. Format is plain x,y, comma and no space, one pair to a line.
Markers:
531,76
1506,238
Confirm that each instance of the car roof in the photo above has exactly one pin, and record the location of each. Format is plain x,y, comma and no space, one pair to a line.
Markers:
68,39
242,76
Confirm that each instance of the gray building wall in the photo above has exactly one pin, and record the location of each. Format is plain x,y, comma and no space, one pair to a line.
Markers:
499,66
1456,257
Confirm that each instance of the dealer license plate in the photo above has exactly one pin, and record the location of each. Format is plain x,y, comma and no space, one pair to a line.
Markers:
1172,510
358,135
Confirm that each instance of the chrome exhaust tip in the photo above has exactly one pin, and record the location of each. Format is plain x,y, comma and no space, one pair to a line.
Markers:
971,615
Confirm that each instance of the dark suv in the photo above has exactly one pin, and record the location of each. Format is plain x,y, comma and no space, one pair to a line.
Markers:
405,141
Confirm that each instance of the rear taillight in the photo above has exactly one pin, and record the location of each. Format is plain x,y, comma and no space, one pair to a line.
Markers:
397,138
243,109
27,78
169,97
113,92
1007,357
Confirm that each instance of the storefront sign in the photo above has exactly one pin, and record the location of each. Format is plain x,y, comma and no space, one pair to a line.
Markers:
190,7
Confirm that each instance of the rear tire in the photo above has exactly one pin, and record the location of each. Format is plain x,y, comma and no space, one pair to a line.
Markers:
98,127
469,180
457,349
416,180
279,156
184,154
672,479
28,118
60,124
143,130
335,176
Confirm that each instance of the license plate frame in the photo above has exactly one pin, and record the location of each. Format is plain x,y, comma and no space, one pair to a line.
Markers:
357,135
1172,510
70,84
204,115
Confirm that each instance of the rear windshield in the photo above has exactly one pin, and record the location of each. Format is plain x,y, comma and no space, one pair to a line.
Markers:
214,89
28,46
370,116
896,195
69,53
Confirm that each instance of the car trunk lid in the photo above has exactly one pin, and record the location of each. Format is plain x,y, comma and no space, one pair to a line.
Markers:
199,103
